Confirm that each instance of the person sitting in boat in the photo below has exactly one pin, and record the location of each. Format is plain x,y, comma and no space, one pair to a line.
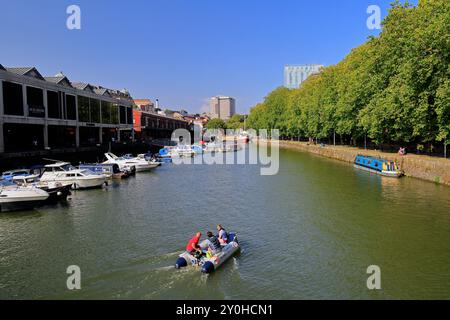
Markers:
213,243
223,235
193,247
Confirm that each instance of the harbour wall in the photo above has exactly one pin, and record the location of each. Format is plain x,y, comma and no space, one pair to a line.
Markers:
417,166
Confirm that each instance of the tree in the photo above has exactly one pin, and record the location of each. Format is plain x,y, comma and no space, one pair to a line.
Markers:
236,122
393,88
216,124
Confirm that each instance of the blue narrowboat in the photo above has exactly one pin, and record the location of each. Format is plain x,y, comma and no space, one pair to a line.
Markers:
377,165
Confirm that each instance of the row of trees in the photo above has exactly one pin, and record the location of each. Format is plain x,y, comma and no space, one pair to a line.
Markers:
395,88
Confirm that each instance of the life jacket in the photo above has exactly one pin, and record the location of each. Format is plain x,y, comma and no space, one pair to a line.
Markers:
227,237
215,243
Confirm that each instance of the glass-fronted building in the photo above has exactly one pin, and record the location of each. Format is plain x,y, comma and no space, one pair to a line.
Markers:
295,75
38,113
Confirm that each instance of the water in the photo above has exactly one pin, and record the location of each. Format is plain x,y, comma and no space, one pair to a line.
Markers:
309,232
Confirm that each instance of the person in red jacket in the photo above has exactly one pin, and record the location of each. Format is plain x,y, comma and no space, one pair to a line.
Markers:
193,247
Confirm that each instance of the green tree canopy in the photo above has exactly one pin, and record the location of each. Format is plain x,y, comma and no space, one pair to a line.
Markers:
393,88
216,124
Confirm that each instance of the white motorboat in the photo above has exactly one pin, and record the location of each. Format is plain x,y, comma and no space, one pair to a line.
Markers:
65,173
14,197
57,191
126,163
182,151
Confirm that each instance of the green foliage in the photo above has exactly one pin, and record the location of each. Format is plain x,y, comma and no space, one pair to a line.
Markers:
216,124
393,88
236,122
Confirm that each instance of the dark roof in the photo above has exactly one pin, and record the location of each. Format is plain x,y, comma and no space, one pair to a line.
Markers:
62,80
1,67
26,71
54,79
101,91
82,86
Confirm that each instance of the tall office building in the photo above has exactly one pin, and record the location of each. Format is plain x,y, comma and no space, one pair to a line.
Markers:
222,107
295,75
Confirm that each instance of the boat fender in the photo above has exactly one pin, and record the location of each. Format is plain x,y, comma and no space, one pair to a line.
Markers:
181,263
208,267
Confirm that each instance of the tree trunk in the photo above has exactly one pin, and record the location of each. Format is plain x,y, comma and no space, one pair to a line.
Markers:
445,149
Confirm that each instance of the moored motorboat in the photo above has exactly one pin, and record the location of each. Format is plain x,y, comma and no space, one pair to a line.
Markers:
125,163
110,170
209,264
377,165
182,151
14,197
65,173
57,191
9,175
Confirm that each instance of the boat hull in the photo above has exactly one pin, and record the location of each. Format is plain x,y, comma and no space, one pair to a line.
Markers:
86,183
90,183
57,194
146,167
11,200
209,265
391,174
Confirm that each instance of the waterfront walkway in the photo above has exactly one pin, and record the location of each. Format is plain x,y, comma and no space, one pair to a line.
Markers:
418,166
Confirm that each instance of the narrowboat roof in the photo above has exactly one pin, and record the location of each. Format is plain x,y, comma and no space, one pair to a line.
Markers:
372,158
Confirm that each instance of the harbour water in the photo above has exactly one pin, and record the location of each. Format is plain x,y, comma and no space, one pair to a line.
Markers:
309,232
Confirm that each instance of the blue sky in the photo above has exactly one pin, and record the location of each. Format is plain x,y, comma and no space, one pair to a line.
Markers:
183,51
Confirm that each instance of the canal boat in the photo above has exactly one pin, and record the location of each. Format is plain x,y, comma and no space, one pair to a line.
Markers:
110,170
57,191
126,163
65,173
14,197
209,264
377,165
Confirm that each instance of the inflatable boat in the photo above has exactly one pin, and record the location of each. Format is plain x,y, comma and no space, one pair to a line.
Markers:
209,264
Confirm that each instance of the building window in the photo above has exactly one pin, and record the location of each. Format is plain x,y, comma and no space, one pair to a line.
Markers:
106,112
35,100
83,109
95,110
115,114
123,115
12,98
53,105
129,116
71,107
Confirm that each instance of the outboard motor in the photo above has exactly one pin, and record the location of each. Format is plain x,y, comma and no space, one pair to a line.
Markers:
208,267
181,263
